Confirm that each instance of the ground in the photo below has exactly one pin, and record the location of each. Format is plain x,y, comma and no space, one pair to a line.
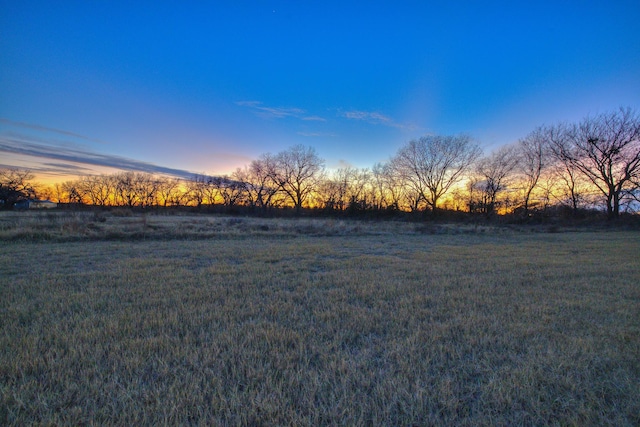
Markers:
236,321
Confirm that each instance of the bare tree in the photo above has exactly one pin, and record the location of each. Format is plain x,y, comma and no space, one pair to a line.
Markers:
170,192
135,189
100,190
146,187
230,191
569,186
389,190
73,192
532,159
58,192
359,191
347,187
605,149
380,200
566,178
494,172
211,188
634,194
46,192
298,172
341,181
329,194
196,190
124,189
15,185
431,165
262,180
242,177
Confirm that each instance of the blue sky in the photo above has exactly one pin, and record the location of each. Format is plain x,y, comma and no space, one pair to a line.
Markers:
205,87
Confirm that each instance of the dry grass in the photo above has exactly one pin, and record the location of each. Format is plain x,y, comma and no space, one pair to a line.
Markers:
65,226
359,324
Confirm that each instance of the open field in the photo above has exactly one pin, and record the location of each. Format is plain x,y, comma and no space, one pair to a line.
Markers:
230,321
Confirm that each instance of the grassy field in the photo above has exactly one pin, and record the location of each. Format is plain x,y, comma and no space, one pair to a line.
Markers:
150,320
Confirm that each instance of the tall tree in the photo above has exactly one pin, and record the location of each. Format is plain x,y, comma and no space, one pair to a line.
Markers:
532,159
170,192
298,172
74,192
605,149
230,191
98,189
565,176
197,190
263,180
347,187
15,185
431,165
495,171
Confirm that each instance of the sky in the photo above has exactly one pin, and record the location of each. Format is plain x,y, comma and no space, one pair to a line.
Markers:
179,88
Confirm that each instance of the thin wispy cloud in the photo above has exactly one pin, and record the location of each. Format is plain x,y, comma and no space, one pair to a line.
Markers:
267,112
316,134
54,169
375,118
67,166
372,117
82,157
37,127
314,119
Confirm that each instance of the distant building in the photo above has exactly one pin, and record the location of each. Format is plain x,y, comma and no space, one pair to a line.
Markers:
35,204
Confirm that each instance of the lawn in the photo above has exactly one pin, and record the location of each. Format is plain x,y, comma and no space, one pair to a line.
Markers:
231,321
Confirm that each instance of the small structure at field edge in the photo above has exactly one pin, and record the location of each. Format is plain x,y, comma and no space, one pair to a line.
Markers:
35,204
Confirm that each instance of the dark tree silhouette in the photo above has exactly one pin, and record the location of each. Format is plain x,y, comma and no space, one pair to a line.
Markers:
431,165
494,171
532,159
15,185
298,171
263,184
605,149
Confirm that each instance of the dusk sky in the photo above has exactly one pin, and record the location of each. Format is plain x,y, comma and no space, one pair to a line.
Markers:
208,86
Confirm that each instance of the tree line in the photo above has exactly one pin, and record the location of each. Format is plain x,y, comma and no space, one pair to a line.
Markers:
594,164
